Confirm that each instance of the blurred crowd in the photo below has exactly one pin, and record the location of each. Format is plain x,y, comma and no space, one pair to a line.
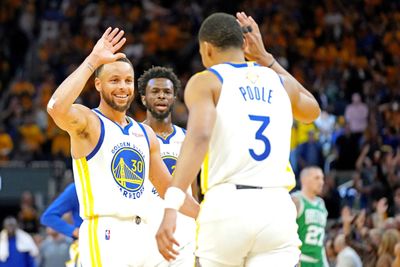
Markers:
347,53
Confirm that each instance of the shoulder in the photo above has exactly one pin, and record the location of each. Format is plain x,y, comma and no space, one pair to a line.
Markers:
92,121
179,129
147,128
152,138
204,80
298,201
204,85
321,201
296,195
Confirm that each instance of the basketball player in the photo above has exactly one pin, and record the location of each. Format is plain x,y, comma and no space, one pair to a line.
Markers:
240,118
311,217
158,88
66,202
113,159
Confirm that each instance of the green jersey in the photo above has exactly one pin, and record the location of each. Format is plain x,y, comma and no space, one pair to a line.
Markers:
311,219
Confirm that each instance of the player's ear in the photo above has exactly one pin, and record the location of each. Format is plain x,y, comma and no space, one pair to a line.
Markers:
208,47
143,100
97,84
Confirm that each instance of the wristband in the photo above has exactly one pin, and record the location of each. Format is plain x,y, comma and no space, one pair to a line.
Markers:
90,67
174,198
270,65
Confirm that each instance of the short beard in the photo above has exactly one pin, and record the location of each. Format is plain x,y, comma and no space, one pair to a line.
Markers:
114,105
160,116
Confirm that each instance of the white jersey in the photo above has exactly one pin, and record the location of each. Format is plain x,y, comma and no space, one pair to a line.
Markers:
170,148
112,179
250,142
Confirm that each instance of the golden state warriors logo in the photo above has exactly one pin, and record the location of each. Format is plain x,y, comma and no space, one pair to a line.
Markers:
128,170
170,162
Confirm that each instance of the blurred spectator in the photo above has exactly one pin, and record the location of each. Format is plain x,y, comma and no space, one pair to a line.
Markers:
326,125
6,144
380,214
346,256
17,247
356,115
332,198
330,252
359,237
347,150
28,214
54,250
65,204
31,140
396,262
310,153
386,254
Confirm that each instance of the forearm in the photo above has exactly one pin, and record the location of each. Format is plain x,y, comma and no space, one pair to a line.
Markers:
190,159
190,207
56,223
72,86
267,59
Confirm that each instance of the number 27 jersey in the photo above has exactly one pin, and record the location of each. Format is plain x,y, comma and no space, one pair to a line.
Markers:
250,142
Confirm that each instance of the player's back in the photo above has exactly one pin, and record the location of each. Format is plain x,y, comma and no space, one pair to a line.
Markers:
250,143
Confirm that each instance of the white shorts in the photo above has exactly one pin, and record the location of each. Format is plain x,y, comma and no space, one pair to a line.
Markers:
247,227
110,242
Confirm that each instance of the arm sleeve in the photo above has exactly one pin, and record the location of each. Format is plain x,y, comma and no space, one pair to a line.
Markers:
67,201
31,261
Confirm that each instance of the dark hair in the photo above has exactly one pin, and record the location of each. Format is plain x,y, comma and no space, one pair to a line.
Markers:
221,30
158,72
97,72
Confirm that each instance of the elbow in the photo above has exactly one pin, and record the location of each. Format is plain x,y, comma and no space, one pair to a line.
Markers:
313,114
307,114
44,219
201,138
54,108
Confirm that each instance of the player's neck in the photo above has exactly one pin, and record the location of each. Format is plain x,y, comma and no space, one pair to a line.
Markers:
114,115
160,127
233,56
309,195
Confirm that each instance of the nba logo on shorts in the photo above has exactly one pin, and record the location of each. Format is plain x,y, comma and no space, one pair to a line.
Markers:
107,234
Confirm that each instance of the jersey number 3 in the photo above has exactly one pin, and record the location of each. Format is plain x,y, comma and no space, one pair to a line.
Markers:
260,136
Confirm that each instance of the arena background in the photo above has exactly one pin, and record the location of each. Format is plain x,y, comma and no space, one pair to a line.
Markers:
338,49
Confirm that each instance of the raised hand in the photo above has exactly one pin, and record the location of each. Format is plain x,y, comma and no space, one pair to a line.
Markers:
382,206
105,50
347,216
254,47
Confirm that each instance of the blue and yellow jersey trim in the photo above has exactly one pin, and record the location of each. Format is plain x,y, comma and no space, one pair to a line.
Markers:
204,174
289,171
88,210
167,139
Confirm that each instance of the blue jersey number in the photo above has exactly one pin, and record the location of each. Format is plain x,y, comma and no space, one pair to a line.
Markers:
261,137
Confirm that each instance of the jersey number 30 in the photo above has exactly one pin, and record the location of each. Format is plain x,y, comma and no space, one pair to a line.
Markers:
260,136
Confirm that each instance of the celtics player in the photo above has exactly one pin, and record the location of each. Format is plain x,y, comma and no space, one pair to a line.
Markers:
311,217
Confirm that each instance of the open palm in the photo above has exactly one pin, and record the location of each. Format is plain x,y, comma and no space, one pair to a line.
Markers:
254,46
107,46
